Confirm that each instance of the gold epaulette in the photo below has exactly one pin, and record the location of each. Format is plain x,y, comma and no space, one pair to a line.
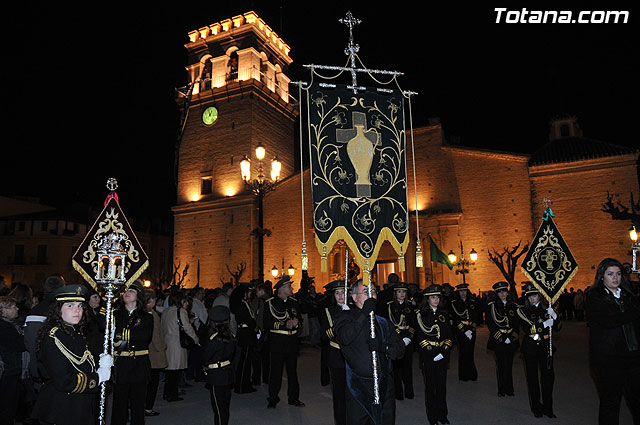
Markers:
53,331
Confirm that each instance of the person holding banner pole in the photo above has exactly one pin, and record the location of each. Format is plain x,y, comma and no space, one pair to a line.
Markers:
352,328
537,320
613,315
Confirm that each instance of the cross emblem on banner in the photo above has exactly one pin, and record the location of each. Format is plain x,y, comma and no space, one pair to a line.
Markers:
549,257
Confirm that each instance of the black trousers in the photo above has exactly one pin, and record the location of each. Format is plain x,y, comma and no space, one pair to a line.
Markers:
338,393
171,378
403,374
466,358
152,388
535,362
435,389
9,385
256,364
278,361
356,415
128,396
615,377
265,361
220,396
243,370
504,371
325,374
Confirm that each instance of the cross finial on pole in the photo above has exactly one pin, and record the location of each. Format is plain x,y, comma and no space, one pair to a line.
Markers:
350,21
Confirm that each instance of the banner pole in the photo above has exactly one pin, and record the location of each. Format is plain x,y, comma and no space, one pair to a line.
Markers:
374,357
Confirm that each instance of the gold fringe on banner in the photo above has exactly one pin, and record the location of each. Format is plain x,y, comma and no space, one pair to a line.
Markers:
341,233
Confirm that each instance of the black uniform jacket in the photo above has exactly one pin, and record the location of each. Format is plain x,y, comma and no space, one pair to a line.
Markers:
464,315
433,333
402,318
502,321
217,355
69,371
276,313
327,318
247,326
614,323
352,328
131,345
535,335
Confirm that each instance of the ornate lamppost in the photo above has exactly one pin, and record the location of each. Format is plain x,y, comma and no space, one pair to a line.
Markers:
462,265
635,249
260,186
280,273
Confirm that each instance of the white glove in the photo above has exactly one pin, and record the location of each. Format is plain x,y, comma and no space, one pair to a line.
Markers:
507,341
106,360
258,334
438,357
548,323
552,313
406,341
104,370
469,334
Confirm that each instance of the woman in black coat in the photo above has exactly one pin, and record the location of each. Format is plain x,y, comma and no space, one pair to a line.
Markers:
218,352
11,348
70,374
613,315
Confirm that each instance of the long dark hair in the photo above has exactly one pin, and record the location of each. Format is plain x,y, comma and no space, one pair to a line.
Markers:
222,328
598,281
54,319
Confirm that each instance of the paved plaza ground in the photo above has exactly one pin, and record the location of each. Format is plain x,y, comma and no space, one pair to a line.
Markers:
575,397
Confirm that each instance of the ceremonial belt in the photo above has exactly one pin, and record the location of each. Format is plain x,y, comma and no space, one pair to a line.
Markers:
538,337
334,344
402,328
243,325
506,331
427,343
218,364
132,353
278,331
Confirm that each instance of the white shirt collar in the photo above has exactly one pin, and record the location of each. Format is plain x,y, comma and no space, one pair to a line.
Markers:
615,294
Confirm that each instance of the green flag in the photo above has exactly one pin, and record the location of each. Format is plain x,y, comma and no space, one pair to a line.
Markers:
438,256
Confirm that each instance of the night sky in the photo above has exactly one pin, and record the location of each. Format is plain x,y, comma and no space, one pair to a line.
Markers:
91,91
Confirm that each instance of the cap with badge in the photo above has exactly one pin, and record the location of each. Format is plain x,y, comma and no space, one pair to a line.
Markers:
332,286
70,293
500,286
285,280
462,286
530,289
137,285
400,286
433,290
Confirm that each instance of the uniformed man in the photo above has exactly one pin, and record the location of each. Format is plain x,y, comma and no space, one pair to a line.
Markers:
502,321
353,328
282,318
434,337
464,313
133,333
536,320
247,336
217,355
401,315
335,361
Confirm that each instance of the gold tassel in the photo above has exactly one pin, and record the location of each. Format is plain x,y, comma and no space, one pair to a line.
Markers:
419,261
304,257
401,265
323,259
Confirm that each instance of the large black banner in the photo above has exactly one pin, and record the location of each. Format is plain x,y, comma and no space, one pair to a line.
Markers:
358,171
549,264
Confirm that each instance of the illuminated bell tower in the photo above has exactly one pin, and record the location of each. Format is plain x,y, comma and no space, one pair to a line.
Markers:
237,100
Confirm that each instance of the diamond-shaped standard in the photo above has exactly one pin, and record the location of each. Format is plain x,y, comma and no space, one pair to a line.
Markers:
110,227
549,264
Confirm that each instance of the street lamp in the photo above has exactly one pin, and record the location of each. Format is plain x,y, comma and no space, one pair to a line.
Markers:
291,270
635,250
463,265
260,186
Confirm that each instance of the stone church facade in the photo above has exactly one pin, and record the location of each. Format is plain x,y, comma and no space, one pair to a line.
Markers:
484,199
